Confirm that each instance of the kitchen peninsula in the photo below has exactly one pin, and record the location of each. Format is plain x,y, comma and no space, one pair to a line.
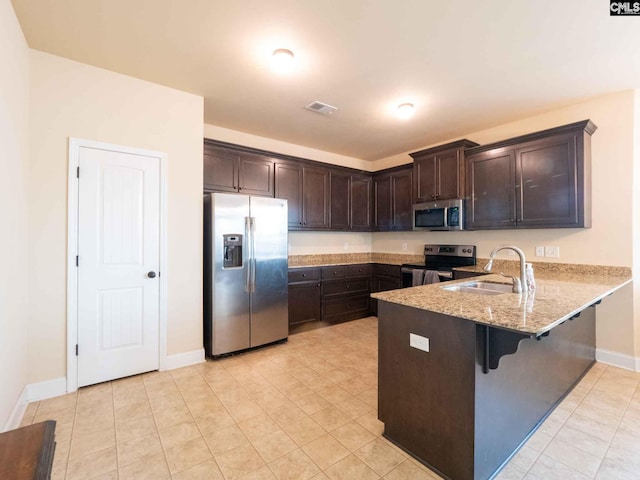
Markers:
465,378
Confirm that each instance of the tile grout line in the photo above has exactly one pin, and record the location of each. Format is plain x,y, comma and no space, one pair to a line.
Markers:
637,389
528,470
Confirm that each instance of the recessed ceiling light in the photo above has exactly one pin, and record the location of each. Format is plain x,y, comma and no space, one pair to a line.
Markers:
405,110
282,60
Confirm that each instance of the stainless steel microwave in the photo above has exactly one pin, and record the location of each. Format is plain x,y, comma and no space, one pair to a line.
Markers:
439,215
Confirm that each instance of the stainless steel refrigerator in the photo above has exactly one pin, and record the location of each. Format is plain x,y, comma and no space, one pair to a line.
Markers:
245,272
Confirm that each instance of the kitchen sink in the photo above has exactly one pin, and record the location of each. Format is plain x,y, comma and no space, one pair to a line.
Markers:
480,288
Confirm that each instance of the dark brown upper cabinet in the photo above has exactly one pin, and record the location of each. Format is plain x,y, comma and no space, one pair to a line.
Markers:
439,173
315,198
541,180
289,187
306,190
361,203
236,171
393,199
350,201
340,198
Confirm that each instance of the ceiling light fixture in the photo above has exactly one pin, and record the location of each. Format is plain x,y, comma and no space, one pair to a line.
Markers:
405,110
282,60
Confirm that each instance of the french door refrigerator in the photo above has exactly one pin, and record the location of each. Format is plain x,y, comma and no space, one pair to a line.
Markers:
245,272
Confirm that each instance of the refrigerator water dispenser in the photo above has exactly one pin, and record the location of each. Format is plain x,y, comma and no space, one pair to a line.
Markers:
232,244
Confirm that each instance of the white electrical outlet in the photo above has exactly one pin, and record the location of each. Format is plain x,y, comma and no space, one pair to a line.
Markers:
345,245
511,253
421,343
552,251
539,251
404,246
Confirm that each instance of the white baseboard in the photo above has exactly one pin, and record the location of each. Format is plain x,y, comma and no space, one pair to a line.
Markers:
618,359
18,411
185,359
47,389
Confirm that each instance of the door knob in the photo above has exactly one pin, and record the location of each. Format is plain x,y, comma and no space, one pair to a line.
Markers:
151,274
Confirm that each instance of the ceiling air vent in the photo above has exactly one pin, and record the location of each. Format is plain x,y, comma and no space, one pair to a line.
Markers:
320,107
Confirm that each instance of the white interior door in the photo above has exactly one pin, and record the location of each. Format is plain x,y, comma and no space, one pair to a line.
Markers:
118,261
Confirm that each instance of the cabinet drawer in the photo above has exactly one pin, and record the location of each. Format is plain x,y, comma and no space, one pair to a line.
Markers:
338,271
304,275
344,306
388,270
361,270
345,287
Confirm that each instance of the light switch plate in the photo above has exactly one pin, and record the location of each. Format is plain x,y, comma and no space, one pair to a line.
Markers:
419,342
404,246
539,251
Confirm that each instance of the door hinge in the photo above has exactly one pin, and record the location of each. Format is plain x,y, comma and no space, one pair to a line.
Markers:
77,260
76,349
78,172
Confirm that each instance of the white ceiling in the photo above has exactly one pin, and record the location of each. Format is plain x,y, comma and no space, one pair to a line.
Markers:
466,64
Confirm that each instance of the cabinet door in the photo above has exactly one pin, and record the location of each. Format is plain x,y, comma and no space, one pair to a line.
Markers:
361,189
220,169
256,175
424,178
382,283
315,198
304,302
382,217
449,171
547,185
340,200
289,186
491,198
401,200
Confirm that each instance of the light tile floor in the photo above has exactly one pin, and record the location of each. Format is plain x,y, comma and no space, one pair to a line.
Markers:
307,409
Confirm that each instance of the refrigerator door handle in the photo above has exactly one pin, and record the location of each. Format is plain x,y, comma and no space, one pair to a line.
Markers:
252,223
247,253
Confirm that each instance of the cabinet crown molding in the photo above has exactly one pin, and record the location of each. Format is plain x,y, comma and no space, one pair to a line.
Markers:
587,125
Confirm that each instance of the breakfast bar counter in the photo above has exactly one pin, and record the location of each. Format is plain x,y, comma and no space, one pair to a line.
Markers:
465,378
553,301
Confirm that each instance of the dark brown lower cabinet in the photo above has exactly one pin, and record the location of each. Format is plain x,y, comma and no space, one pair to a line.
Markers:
304,297
345,292
385,277
321,296
468,403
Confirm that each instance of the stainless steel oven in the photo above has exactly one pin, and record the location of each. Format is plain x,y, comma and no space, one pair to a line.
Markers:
441,259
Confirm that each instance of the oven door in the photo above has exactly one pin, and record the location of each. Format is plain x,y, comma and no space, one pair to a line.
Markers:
429,217
407,275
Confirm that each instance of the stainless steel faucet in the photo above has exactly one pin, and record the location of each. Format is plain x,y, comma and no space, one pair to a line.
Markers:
519,284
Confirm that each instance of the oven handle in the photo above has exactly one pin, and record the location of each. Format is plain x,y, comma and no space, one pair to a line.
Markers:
409,270
441,273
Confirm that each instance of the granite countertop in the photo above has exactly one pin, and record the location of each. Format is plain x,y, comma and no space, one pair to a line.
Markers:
558,297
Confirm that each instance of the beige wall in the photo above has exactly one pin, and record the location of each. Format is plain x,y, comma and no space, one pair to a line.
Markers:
14,138
70,99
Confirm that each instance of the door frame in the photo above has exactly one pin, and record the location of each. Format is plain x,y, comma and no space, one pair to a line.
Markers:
72,250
